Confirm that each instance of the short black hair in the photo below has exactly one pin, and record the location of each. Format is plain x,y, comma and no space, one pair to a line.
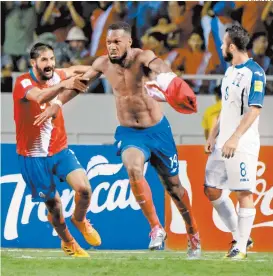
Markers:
121,26
159,37
239,37
37,48
217,91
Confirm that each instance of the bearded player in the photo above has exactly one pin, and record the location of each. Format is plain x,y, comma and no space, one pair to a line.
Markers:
42,150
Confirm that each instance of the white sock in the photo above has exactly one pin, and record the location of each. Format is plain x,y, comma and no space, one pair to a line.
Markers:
246,218
226,210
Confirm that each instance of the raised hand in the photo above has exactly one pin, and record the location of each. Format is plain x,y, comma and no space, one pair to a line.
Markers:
49,112
76,83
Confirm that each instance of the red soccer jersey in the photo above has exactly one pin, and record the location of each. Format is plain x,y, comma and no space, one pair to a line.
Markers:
37,141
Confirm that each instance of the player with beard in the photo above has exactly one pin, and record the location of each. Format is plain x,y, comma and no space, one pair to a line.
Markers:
233,161
42,150
144,132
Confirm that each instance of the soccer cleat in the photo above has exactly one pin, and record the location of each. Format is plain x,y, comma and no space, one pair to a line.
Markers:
194,246
250,244
236,254
158,236
89,233
73,249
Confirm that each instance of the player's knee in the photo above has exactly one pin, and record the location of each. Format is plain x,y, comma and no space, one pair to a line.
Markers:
84,191
212,193
135,171
83,186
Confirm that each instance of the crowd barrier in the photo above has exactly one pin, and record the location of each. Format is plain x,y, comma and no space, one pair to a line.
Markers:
114,211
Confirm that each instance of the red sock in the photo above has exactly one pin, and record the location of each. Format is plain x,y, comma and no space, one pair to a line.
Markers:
143,195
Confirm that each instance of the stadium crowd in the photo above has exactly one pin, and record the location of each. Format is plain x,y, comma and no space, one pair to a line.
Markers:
186,35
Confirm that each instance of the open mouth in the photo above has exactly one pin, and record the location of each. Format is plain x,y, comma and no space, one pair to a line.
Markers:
48,71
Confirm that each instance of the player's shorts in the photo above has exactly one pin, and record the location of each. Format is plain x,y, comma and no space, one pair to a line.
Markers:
236,174
41,174
156,143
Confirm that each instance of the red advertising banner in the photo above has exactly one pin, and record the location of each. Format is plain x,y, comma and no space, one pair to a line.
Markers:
214,234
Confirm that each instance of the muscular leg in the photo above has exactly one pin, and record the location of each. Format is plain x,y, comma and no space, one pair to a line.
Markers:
79,182
246,218
133,160
55,217
180,197
225,209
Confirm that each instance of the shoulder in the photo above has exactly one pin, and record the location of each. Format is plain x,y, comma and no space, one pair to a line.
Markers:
24,80
255,69
144,53
100,62
144,56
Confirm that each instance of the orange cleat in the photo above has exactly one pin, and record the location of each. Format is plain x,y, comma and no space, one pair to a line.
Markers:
73,249
88,232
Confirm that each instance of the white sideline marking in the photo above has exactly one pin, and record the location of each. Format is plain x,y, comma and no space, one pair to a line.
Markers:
128,258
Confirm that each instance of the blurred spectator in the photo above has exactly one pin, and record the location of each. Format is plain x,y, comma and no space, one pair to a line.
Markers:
19,31
143,14
267,18
102,18
212,113
192,59
77,44
58,17
251,17
180,13
215,19
258,52
6,70
157,42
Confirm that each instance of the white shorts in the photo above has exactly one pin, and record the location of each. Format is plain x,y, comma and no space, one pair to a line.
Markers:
236,174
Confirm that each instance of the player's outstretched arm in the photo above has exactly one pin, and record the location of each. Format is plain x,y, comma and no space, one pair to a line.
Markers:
176,91
45,95
93,73
75,70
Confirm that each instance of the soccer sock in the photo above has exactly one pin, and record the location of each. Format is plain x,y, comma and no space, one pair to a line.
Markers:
82,202
246,218
226,211
143,195
184,207
59,225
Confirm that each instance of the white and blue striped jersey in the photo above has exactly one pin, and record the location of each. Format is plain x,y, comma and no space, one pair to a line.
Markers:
243,86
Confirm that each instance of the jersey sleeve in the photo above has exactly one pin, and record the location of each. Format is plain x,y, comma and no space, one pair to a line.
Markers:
61,73
22,86
257,89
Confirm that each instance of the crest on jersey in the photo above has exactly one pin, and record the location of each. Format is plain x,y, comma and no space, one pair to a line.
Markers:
238,79
26,82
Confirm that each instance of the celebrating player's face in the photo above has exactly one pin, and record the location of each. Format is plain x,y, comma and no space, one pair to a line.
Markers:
45,64
117,42
227,55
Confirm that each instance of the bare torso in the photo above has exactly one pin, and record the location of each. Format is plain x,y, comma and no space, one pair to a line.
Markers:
135,108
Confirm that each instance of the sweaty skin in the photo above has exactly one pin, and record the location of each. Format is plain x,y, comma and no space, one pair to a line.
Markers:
135,108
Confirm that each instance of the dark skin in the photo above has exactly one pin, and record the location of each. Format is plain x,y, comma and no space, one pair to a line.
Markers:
125,68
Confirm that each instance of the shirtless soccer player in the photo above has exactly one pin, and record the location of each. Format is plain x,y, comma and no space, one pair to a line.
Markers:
144,132
42,150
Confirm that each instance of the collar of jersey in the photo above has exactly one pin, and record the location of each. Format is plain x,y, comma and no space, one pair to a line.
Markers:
33,76
243,64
